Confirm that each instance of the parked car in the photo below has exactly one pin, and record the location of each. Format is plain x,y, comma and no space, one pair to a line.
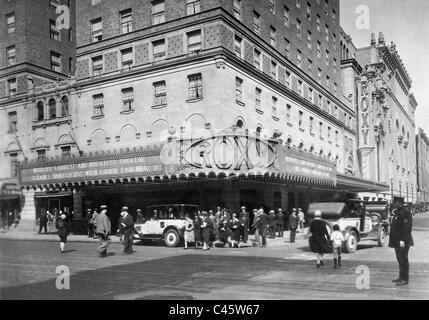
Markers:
164,222
354,220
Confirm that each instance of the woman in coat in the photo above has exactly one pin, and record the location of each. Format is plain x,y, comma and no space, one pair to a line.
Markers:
223,230
207,227
62,231
235,231
319,239
197,229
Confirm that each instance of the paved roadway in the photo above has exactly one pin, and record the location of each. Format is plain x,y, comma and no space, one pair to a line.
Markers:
280,271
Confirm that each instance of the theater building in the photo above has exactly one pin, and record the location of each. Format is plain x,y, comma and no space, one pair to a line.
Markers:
422,157
199,102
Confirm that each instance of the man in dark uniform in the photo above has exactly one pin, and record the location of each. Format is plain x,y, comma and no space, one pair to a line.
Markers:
272,224
89,225
280,222
401,239
126,224
244,225
43,222
293,224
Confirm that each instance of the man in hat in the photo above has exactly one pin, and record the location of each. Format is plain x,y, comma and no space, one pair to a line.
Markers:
272,222
280,222
89,225
94,223
300,218
244,225
293,224
155,215
140,217
126,225
103,231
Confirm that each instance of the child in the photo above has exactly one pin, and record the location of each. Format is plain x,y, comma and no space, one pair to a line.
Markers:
189,230
337,239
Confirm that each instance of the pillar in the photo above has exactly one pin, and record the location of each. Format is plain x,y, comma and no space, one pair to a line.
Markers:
28,213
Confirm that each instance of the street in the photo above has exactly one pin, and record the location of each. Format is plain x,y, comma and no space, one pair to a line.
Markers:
280,271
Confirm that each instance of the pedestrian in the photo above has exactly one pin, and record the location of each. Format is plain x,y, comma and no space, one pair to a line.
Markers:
94,223
280,222
217,215
301,220
140,216
189,230
62,228
43,222
154,216
401,240
126,224
212,231
337,240
197,229
103,231
89,226
293,224
262,226
223,230
206,227
244,225
319,239
256,215
235,231
272,223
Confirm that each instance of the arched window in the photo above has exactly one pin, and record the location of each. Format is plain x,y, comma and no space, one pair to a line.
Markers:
301,145
52,109
64,106
311,149
40,114
397,125
240,123
258,131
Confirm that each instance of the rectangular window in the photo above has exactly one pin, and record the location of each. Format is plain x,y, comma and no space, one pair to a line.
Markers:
335,65
192,7
237,9
14,164
310,66
158,49
327,58
326,7
298,3
328,82
311,95
238,46
334,40
329,133
10,23
287,48
298,28
13,120
286,16
320,101
127,59
70,65
238,89
309,40
41,154
318,23
95,2
98,104
288,79
97,66
158,12
97,30
257,59
321,130
55,61
274,70
300,88
319,75
309,11
258,93
327,32
66,151
334,16
126,17
311,125
273,36
335,87
328,107
336,112
299,58
336,137
256,22
128,99
272,6
54,32
160,93
288,111
11,55
195,90
274,106
194,41
300,120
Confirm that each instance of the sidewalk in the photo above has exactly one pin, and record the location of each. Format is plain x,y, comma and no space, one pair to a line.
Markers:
31,235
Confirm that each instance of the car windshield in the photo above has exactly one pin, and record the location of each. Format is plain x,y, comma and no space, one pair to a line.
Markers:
355,209
170,212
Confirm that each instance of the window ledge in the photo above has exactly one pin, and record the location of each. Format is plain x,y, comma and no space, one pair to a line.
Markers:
259,111
275,118
159,106
241,103
290,124
301,129
97,117
193,100
127,111
50,122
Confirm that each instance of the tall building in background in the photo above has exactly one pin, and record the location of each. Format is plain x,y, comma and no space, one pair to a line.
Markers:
422,157
221,102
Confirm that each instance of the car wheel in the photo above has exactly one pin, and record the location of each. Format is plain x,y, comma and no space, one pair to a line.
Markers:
351,242
381,236
171,238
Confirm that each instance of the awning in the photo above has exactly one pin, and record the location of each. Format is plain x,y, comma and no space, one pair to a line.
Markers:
353,184
53,194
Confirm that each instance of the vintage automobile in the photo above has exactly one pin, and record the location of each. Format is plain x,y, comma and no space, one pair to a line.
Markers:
164,222
354,220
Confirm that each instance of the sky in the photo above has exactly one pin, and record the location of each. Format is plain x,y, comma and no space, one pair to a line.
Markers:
405,22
